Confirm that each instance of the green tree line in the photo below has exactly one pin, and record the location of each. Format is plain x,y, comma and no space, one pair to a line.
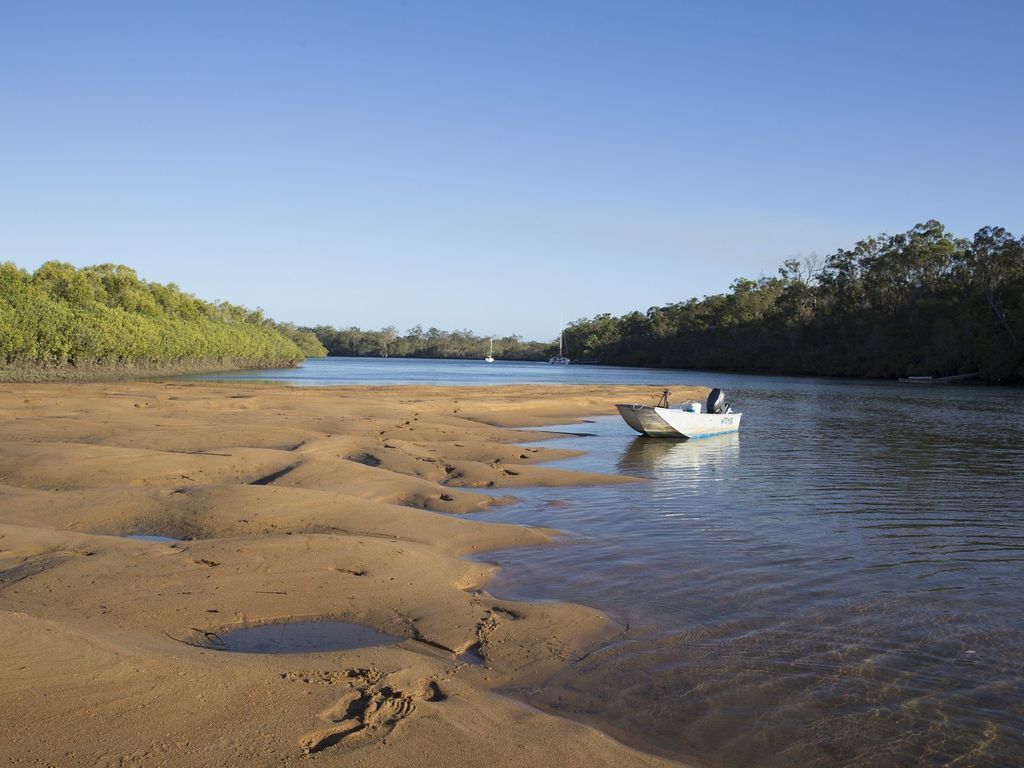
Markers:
919,302
105,316
922,302
432,343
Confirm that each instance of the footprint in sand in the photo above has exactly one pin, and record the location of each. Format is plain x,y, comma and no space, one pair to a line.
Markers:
375,704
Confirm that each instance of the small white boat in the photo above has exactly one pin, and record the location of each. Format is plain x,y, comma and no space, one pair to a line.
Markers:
686,420
490,353
559,359
938,379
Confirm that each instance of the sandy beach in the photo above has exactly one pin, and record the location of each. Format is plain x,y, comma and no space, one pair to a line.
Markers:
288,504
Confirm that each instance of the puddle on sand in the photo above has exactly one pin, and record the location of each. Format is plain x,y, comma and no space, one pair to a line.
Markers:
150,537
300,637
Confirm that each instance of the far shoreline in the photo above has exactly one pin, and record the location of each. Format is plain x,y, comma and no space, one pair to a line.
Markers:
145,371
708,373
135,371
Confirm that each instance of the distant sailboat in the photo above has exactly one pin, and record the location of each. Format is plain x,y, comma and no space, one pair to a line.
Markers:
490,353
559,359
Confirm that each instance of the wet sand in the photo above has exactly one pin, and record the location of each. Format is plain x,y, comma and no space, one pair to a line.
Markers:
289,505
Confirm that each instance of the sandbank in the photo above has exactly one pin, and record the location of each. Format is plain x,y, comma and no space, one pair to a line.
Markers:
348,503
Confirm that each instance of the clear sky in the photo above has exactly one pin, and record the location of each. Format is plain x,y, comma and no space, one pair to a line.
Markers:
493,165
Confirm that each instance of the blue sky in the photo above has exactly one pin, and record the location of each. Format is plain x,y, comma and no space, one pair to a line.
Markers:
493,165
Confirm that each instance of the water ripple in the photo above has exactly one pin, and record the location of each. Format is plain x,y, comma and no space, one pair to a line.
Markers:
839,585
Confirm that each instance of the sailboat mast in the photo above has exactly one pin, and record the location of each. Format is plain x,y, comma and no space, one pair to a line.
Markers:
560,359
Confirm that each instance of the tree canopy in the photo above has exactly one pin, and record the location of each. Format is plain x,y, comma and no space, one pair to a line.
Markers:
431,343
106,315
922,302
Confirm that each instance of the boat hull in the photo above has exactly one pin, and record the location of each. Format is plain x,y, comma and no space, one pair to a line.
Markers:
653,421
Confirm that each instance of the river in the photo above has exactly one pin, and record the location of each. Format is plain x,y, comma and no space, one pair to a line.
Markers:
839,584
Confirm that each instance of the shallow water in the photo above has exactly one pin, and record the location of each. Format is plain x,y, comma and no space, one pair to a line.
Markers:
328,371
301,637
840,584
150,537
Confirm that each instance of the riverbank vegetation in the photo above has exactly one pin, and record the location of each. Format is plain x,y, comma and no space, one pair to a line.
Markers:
922,302
431,343
62,322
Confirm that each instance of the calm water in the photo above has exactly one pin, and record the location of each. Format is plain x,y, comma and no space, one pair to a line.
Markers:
326,371
301,637
841,584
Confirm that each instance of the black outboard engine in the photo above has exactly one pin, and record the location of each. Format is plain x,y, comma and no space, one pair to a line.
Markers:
716,401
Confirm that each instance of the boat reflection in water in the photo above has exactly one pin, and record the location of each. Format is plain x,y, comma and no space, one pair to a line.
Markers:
691,467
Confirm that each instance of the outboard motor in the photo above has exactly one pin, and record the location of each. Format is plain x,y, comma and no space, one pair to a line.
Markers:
716,401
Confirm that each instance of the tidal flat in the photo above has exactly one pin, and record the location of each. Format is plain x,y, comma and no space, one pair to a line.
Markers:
275,505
